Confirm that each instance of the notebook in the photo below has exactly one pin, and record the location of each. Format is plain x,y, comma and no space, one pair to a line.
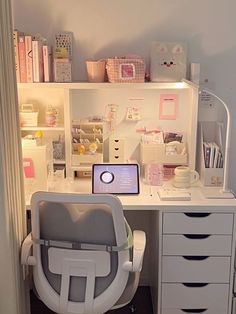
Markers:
115,179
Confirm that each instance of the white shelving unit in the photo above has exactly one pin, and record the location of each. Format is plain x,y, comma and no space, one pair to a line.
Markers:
81,100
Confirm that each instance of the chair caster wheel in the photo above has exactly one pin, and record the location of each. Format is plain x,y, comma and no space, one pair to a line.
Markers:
132,309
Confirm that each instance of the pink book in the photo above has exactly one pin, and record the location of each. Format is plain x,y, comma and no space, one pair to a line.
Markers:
37,48
29,59
16,35
22,61
47,63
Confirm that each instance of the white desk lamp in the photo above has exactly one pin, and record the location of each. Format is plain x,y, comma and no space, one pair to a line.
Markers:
223,192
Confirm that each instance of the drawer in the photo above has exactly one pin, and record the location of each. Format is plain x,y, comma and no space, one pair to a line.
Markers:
116,158
209,296
195,269
116,151
197,223
194,311
196,244
116,143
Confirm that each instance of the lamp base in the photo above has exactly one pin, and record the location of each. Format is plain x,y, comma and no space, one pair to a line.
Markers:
216,193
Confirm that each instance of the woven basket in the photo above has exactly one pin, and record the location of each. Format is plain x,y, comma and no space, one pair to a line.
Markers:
124,70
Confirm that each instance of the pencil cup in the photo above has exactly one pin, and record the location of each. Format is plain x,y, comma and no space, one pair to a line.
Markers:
184,177
96,71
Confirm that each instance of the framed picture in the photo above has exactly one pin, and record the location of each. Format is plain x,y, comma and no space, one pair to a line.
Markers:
168,106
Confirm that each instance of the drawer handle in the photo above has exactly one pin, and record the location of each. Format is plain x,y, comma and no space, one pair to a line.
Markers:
116,148
197,215
196,236
116,157
117,141
195,258
193,310
194,284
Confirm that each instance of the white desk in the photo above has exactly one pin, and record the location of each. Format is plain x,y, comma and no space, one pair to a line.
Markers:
189,259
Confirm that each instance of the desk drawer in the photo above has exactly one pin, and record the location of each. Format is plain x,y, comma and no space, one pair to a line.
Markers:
180,296
195,269
193,311
197,223
197,244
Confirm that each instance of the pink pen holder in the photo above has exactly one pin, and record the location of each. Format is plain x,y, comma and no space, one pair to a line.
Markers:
153,174
96,71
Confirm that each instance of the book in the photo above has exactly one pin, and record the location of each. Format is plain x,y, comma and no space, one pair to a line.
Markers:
29,59
16,35
47,63
37,52
217,152
22,62
207,152
212,154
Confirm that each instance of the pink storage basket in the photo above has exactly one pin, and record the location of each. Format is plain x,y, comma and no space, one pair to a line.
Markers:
125,70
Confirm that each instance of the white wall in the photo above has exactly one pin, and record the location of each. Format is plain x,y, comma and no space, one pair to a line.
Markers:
116,27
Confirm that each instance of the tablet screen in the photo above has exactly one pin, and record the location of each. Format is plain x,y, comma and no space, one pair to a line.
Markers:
115,178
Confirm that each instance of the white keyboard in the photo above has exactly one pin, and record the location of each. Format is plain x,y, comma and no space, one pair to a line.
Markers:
172,194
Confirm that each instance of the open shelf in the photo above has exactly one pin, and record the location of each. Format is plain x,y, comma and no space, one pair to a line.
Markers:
106,85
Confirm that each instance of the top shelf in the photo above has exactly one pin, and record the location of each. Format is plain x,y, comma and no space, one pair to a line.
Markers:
85,85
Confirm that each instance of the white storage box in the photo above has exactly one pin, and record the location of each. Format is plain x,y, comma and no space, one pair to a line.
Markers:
77,159
37,163
28,116
157,153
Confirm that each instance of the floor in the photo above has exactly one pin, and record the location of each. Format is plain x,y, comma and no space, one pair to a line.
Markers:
142,303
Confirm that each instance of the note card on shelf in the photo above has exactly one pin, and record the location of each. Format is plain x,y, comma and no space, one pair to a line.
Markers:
168,106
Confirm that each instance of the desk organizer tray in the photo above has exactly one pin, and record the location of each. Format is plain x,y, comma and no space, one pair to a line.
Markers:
157,153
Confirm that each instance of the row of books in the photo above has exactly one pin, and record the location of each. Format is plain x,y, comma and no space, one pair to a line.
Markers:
212,155
33,59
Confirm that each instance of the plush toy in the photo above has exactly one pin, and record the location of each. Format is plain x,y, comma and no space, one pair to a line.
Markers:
168,61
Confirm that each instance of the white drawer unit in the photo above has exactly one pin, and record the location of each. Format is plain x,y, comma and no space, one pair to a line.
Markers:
195,269
197,244
197,222
116,149
190,296
196,262
191,311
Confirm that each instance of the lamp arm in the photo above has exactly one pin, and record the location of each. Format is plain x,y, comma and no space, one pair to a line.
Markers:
225,188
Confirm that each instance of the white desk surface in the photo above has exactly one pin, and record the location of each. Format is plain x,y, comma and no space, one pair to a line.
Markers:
148,198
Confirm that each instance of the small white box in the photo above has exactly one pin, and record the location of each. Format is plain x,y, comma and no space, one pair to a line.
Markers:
28,115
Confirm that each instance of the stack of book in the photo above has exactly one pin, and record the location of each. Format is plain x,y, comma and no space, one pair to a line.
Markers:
33,59
212,155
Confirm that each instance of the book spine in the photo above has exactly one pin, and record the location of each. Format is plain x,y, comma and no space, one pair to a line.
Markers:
47,70
21,45
37,61
29,59
16,50
207,152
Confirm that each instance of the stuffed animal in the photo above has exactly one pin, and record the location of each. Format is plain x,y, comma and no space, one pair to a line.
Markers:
168,61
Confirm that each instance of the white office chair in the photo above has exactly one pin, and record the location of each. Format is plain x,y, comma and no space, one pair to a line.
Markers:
85,258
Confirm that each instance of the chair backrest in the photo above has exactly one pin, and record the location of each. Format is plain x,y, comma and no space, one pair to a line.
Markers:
80,245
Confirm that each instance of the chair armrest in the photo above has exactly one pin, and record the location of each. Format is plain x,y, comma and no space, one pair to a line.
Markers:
139,244
26,259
